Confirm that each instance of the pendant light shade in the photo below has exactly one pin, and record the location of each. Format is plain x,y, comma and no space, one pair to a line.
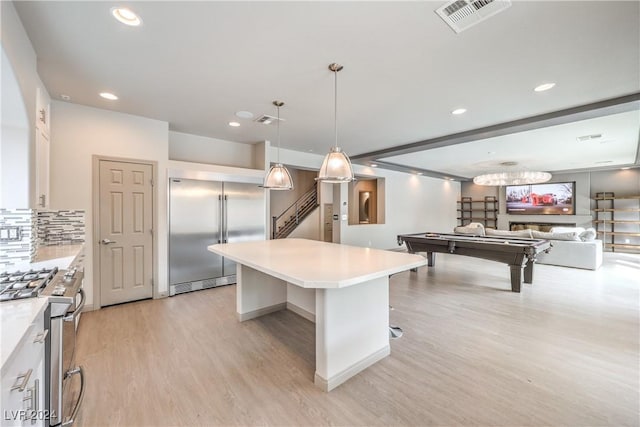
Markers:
278,177
336,167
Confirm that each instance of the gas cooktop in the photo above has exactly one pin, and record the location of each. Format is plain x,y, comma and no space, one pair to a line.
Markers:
18,284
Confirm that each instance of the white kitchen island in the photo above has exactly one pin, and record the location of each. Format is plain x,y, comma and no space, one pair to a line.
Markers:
344,289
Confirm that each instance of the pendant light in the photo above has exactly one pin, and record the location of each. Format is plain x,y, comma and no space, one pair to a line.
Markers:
278,177
336,167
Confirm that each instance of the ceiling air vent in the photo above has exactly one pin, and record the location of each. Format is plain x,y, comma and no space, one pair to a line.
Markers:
587,138
462,14
266,119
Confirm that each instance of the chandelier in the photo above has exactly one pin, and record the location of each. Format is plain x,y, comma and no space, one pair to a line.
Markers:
512,178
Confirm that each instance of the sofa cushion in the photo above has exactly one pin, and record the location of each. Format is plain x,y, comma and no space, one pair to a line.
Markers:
505,233
588,235
567,230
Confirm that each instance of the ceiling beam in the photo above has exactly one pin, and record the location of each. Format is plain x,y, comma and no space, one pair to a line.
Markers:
584,112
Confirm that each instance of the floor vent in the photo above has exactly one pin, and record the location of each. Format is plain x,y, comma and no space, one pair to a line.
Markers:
182,288
209,283
463,14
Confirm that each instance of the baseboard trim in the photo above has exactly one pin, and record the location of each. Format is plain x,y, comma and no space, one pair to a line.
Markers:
261,311
336,380
301,312
87,307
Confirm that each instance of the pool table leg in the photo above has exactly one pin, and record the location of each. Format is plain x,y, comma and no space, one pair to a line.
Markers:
431,260
516,277
528,272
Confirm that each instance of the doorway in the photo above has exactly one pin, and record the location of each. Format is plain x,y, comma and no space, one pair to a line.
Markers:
123,230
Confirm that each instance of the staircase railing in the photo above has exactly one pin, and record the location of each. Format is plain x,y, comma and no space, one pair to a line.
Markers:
283,224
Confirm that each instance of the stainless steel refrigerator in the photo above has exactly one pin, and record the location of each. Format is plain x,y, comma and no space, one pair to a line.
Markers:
202,213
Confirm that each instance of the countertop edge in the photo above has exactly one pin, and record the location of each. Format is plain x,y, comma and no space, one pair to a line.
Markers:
13,336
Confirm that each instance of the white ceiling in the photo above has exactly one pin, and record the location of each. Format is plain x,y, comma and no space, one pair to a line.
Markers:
194,64
552,149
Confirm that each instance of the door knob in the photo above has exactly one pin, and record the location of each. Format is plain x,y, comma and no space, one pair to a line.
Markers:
106,241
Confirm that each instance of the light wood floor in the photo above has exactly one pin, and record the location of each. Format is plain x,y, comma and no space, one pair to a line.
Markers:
565,351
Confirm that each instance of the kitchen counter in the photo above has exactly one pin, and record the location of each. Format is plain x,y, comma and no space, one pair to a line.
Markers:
47,253
61,256
16,318
344,289
315,264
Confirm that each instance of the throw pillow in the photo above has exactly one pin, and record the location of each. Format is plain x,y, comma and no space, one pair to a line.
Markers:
588,235
542,235
471,231
573,235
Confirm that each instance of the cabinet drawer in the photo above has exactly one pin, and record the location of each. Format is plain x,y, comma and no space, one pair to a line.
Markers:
21,374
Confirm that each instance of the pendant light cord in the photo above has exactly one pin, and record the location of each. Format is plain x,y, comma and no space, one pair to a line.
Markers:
335,107
278,156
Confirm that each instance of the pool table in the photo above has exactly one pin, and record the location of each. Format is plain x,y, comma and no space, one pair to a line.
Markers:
518,253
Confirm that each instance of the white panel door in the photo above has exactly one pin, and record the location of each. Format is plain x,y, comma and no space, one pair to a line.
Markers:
125,238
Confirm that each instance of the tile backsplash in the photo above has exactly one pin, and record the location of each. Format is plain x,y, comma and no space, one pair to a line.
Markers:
60,227
18,251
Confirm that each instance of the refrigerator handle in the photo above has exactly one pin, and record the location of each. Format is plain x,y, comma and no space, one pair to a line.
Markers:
220,221
226,224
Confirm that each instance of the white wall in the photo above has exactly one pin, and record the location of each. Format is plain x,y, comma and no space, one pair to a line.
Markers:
193,148
19,59
309,228
77,134
413,204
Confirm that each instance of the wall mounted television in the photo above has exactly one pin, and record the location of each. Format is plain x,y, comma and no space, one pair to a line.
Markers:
555,198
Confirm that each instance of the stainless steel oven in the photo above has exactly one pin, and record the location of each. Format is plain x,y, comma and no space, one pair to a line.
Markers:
66,380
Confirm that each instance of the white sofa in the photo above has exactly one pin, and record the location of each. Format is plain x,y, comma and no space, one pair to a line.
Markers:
570,246
567,253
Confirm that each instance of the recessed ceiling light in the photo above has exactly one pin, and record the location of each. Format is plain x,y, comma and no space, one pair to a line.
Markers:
459,111
65,97
234,124
625,168
544,86
109,96
373,165
244,114
126,16
418,173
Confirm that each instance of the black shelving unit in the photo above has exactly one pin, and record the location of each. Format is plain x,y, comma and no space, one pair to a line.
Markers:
484,211
617,221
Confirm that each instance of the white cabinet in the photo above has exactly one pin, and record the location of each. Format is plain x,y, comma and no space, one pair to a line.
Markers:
42,169
42,140
22,381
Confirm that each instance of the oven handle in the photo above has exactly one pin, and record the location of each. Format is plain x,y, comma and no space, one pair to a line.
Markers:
69,421
76,312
